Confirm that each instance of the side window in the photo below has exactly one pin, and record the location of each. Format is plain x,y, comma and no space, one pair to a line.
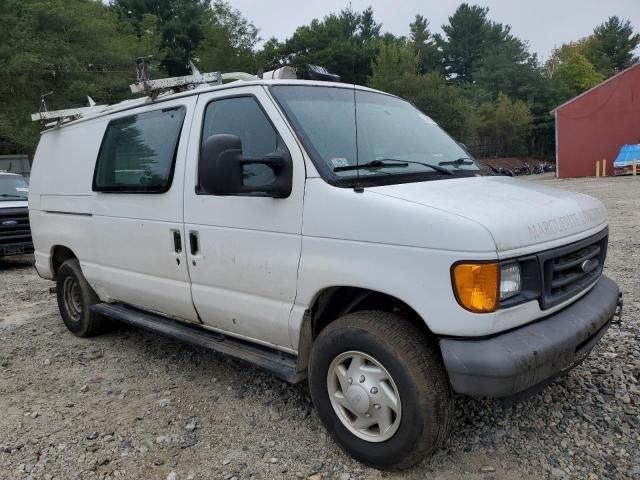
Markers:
138,152
243,117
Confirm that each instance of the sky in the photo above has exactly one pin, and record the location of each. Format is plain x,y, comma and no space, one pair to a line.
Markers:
544,24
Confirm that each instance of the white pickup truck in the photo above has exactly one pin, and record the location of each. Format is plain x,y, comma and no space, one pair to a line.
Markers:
323,231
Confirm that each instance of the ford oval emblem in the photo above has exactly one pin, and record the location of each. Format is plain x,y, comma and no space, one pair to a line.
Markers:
589,265
9,223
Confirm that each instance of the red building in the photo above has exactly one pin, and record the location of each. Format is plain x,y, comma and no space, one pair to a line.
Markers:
595,124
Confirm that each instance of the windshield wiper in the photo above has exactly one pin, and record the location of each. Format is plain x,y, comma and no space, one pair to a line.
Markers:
458,161
12,195
391,163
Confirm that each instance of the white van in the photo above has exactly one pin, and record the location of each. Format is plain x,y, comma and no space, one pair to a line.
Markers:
327,231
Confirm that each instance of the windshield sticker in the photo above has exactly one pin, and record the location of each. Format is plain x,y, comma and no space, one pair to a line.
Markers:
427,119
339,162
21,189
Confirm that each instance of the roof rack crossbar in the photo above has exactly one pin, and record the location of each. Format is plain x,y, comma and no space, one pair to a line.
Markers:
69,113
153,87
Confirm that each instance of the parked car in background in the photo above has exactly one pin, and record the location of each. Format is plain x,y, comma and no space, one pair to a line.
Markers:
15,234
328,231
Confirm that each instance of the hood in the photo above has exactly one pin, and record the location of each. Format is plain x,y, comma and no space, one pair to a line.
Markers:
517,213
12,204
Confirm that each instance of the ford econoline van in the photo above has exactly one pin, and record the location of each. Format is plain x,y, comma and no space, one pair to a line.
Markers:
324,231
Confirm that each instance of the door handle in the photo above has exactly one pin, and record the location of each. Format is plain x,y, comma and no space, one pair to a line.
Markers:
177,241
193,243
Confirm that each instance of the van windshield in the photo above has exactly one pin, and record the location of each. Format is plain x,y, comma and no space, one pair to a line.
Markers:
13,187
355,135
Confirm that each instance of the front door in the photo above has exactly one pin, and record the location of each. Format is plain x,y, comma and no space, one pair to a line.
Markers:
243,251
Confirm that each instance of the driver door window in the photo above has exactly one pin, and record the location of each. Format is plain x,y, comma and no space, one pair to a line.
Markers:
243,117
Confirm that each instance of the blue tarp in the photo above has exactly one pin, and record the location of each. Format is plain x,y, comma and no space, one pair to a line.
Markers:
627,154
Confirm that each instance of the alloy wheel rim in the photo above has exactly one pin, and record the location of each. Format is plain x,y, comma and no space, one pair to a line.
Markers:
364,396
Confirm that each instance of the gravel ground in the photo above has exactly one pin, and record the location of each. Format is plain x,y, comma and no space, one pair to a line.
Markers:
130,404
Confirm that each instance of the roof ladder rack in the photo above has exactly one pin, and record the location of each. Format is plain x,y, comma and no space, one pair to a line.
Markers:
66,115
187,82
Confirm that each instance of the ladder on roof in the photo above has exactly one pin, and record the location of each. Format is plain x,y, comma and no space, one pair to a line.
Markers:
187,82
153,89
67,114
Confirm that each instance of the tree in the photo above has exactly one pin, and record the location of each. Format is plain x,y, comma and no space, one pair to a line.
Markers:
569,67
505,123
228,41
476,49
269,57
424,45
465,43
180,23
345,44
393,60
74,48
612,45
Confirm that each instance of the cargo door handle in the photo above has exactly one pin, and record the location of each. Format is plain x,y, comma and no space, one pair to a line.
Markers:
177,241
193,243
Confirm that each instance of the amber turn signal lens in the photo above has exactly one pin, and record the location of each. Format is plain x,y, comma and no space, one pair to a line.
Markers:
476,286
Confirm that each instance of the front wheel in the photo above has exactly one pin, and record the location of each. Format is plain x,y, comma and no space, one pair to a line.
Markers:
380,389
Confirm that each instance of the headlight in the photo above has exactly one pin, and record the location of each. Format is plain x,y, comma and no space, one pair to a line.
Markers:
510,284
479,287
476,286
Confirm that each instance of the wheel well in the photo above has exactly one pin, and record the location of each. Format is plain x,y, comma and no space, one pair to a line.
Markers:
335,302
59,255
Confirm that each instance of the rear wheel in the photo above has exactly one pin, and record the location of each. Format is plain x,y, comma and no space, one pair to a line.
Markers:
380,389
75,297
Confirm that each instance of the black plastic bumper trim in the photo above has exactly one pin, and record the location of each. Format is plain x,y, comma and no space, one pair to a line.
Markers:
518,361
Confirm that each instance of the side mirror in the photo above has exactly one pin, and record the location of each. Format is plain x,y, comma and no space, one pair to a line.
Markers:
222,170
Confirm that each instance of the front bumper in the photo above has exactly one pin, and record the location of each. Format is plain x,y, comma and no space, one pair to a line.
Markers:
16,248
515,362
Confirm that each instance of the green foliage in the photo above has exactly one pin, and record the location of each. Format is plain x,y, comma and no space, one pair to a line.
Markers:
477,80
423,43
74,48
505,123
180,27
613,44
569,67
346,44
393,59
229,41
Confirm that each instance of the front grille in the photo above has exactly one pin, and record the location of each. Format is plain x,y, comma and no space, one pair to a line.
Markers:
14,225
568,270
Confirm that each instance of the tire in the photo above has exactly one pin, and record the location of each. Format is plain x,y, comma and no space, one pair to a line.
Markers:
394,349
75,297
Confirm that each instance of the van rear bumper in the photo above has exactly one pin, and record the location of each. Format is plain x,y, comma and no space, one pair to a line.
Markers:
522,359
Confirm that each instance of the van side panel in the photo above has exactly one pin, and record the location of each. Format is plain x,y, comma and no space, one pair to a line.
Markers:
60,196
124,241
